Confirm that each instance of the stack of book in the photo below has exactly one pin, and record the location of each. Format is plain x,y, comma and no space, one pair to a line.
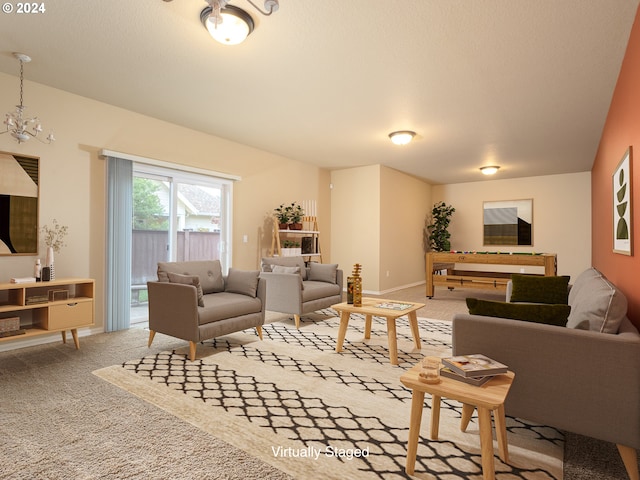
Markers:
474,369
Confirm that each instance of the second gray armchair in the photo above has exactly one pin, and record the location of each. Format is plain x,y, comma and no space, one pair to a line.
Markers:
294,288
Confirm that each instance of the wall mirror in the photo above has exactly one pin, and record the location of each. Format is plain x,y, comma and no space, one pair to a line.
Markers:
508,222
19,191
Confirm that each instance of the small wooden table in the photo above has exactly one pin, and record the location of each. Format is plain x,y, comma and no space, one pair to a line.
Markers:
487,398
369,308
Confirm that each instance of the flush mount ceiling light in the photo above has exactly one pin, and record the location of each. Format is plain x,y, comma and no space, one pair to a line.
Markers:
230,25
402,137
490,170
20,128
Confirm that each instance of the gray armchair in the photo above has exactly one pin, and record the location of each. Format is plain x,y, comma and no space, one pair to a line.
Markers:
193,301
294,288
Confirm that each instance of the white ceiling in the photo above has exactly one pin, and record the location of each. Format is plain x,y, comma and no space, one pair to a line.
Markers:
519,83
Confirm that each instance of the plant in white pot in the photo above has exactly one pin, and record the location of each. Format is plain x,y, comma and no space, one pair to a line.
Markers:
291,248
54,240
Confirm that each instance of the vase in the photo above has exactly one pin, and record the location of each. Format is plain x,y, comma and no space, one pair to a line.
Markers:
354,287
49,263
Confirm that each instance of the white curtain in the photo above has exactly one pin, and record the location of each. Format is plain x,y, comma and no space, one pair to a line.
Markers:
119,221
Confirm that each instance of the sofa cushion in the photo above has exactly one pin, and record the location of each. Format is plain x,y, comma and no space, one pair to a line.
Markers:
244,282
209,272
188,280
290,270
314,290
268,262
529,312
225,305
323,272
598,305
580,281
540,289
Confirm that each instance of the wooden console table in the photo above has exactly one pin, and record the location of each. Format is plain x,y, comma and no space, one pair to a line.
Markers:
46,307
486,280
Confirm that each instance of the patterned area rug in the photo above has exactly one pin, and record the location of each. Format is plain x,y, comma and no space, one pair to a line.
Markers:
295,403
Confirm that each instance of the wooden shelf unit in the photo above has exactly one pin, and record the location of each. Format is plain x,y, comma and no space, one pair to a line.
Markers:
53,314
480,279
312,223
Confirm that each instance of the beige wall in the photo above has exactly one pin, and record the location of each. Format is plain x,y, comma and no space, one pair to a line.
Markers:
72,177
377,216
405,203
355,222
561,215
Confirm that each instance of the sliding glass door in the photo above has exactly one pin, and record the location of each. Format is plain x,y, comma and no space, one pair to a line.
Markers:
177,216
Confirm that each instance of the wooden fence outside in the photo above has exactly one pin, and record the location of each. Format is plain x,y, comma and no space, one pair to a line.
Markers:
151,246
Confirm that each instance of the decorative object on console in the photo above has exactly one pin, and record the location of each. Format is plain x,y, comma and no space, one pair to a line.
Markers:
622,214
54,240
354,287
22,129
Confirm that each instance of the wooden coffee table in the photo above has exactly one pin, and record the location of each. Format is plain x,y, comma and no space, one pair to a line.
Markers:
487,398
368,309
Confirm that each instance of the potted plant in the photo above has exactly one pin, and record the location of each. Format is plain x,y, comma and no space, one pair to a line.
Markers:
438,233
296,213
291,248
283,215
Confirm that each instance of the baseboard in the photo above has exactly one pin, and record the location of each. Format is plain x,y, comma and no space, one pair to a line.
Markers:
390,290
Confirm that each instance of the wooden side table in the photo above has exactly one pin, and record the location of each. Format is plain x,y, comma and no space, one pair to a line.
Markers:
487,398
368,309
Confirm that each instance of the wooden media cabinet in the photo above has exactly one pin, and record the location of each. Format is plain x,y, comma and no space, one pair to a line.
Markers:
481,279
46,307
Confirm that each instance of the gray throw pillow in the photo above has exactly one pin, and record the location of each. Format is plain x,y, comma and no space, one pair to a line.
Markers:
281,269
188,280
244,282
268,263
598,305
209,271
323,272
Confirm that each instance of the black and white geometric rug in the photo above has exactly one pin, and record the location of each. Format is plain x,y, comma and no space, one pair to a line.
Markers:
295,403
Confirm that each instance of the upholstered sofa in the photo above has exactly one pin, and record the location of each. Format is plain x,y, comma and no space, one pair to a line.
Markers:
583,377
295,288
194,301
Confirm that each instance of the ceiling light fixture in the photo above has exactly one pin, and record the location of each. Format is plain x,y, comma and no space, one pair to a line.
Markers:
490,170
22,129
402,137
229,24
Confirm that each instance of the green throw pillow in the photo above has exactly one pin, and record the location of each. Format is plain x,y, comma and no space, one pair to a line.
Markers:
528,312
539,289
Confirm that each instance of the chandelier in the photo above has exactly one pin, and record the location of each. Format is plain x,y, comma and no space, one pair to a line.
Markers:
20,128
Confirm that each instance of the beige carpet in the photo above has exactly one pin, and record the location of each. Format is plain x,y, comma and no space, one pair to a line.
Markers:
294,403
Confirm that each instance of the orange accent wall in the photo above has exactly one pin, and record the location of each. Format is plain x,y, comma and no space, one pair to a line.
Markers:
621,130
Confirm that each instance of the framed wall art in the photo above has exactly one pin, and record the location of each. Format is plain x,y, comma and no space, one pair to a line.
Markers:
622,217
19,192
508,222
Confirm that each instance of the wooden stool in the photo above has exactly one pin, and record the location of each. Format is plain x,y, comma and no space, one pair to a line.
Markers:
486,399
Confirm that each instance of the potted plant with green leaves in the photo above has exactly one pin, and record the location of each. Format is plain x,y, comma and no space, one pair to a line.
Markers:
291,248
283,215
296,213
438,227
